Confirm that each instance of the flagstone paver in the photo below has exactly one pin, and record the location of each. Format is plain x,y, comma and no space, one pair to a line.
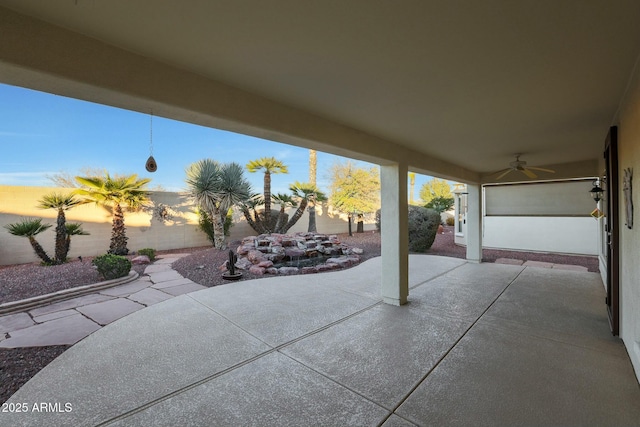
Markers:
171,283
71,303
149,296
54,315
126,290
184,289
109,311
16,321
65,331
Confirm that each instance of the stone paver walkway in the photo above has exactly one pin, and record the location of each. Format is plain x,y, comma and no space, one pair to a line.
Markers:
67,322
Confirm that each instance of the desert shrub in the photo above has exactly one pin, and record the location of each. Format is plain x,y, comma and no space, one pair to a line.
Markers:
151,253
451,221
423,227
206,224
112,266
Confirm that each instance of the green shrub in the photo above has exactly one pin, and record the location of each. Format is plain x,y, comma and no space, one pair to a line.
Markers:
151,253
423,227
451,221
112,266
206,224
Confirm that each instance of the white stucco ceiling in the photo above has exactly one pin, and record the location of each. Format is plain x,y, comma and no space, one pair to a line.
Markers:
469,82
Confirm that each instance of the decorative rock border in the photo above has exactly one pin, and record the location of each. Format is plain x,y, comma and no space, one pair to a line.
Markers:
261,254
46,299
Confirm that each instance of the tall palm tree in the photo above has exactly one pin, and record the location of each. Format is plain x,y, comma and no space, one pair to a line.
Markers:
270,165
315,197
215,188
62,203
285,201
29,228
412,184
117,193
313,166
303,192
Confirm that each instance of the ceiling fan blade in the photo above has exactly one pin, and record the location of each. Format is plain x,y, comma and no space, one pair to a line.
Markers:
541,169
502,173
530,174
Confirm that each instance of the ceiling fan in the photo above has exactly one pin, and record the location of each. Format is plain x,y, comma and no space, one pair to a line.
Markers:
521,165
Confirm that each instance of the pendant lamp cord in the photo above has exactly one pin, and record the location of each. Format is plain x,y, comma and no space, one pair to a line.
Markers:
151,133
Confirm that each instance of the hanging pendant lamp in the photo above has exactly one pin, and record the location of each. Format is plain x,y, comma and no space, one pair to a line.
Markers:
151,164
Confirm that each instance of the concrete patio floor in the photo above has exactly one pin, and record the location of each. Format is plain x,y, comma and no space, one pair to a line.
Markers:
478,344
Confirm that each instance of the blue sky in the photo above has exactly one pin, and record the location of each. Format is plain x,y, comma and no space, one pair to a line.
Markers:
43,134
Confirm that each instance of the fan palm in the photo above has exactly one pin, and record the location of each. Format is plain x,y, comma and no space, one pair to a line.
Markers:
270,165
73,229
285,201
29,228
303,192
215,188
61,203
117,192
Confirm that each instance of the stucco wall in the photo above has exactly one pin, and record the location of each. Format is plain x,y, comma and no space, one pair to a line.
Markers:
571,235
179,229
629,157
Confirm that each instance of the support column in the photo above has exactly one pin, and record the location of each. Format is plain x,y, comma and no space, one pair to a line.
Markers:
395,234
474,223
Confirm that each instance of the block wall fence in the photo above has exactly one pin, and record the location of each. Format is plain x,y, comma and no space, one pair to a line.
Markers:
169,223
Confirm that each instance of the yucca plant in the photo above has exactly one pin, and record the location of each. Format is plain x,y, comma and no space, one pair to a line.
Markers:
215,188
29,228
61,203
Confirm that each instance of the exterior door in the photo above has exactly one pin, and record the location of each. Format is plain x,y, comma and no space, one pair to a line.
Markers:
612,228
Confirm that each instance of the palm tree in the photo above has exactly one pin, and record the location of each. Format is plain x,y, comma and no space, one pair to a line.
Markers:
313,166
117,192
269,165
29,228
285,201
303,192
412,184
62,203
314,198
215,188
73,229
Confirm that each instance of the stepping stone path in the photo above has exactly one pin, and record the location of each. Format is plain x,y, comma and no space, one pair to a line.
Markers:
67,322
263,254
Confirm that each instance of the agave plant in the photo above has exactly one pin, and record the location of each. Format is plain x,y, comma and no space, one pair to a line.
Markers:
29,228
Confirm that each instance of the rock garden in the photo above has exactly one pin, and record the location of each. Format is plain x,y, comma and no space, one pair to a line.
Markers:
294,254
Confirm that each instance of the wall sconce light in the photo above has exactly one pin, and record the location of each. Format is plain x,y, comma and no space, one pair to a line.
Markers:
459,188
596,192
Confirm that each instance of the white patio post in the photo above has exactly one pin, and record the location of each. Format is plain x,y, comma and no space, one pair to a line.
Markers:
395,234
474,223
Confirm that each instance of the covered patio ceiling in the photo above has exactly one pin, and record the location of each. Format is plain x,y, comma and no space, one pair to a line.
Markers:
466,84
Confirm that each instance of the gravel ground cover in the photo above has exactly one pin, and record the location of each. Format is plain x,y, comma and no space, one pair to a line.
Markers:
17,366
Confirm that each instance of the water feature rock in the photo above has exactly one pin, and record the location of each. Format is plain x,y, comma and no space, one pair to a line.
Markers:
265,264
357,251
294,252
243,264
255,256
259,271
271,270
288,270
308,270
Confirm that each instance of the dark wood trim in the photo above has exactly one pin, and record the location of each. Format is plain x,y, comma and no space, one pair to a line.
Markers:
613,230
